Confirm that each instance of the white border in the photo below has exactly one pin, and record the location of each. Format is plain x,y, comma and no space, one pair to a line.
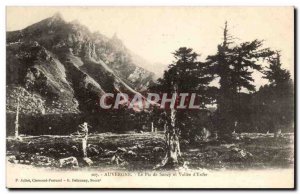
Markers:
4,3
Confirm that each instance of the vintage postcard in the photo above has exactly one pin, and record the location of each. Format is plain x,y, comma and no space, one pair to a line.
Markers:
150,97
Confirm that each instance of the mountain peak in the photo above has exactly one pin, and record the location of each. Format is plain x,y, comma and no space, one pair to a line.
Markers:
57,16
49,22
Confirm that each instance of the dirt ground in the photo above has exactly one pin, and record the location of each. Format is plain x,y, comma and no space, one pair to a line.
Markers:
142,151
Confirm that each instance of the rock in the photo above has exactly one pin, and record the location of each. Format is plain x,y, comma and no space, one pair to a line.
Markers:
240,154
42,161
136,147
109,153
131,153
12,159
22,158
121,150
116,159
94,150
158,149
228,145
75,148
235,149
70,162
88,161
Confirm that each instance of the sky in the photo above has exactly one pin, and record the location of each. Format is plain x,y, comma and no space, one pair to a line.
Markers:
155,32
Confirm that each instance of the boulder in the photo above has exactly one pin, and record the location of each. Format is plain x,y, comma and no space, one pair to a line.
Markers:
42,161
23,158
136,147
131,154
116,159
12,159
88,161
94,150
240,154
121,150
70,162
109,153
158,149
75,148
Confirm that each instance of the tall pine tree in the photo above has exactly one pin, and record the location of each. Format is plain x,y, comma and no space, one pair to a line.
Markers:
185,75
234,65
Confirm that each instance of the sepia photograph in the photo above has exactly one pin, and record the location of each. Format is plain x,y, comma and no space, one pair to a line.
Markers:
150,97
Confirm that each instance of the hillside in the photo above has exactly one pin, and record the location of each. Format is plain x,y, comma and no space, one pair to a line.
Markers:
56,66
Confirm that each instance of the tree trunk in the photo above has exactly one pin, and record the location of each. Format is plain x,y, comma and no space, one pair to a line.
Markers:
84,146
84,141
173,140
17,120
173,145
152,127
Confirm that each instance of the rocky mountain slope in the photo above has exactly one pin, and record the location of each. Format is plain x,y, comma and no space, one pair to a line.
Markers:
55,66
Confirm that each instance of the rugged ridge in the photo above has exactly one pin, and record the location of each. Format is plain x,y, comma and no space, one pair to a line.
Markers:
62,67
